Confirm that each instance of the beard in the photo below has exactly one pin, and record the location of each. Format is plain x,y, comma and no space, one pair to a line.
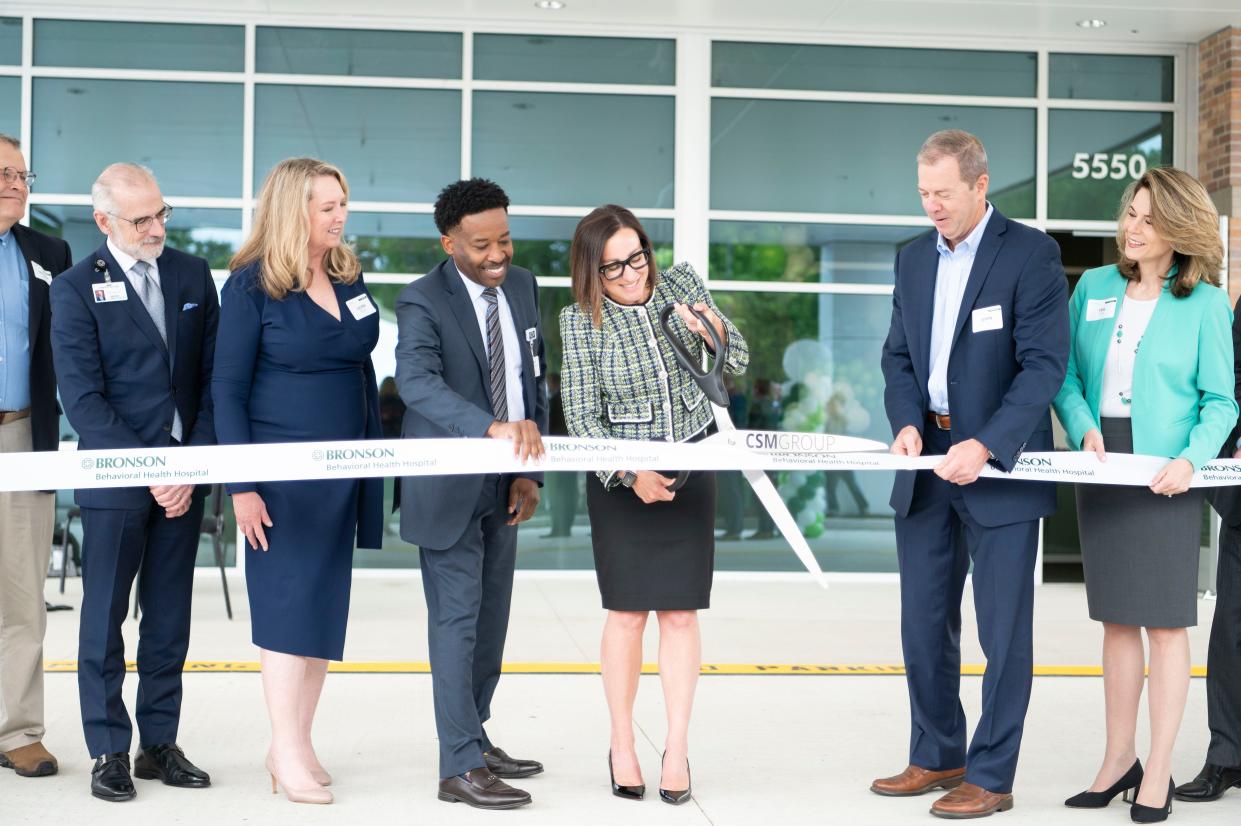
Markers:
147,249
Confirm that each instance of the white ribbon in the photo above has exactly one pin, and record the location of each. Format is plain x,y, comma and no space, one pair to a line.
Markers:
735,450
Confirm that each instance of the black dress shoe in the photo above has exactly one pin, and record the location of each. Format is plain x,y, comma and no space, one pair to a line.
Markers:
676,798
502,765
110,780
1131,780
168,763
481,789
1210,784
627,792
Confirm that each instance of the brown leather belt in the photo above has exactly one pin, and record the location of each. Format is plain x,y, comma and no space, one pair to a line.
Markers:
7,416
943,422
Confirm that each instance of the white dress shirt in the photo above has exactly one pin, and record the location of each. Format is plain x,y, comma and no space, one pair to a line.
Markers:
950,280
512,344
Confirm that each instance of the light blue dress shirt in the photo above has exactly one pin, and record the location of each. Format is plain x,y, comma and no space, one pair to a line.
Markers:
14,326
950,281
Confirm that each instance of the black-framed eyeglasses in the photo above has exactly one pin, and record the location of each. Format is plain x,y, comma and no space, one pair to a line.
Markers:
143,223
12,175
615,269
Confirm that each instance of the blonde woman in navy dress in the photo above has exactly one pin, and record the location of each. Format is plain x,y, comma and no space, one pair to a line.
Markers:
297,327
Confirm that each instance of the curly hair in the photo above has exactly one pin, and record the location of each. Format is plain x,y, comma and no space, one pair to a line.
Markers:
457,200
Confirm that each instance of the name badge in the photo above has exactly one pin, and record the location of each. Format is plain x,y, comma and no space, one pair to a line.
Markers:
987,318
361,306
108,291
1098,309
532,336
40,273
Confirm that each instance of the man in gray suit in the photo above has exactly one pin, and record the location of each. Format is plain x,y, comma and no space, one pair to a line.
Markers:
1222,770
469,363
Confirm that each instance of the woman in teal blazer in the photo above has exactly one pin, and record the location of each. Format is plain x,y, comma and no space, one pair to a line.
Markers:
1151,372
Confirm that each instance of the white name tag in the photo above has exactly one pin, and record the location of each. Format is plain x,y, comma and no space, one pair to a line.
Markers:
107,291
361,306
987,318
532,336
40,273
1098,309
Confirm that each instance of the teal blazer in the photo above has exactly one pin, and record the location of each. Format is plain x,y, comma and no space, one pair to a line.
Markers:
1183,385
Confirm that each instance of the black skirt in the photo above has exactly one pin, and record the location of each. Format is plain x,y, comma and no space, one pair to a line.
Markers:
657,557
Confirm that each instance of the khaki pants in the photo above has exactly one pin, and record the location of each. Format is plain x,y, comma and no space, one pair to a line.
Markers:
25,546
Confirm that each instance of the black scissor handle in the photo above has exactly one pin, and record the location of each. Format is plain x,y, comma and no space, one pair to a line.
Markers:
711,381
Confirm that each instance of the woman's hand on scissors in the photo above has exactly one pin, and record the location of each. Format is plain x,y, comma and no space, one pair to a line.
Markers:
651,487
696,326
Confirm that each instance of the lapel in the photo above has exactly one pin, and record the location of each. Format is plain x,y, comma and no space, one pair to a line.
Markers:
922,285
463,309
523,319
170,286
38,289
133,304
988,249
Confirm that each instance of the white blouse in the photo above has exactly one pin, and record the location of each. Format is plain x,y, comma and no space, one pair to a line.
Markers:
1122,353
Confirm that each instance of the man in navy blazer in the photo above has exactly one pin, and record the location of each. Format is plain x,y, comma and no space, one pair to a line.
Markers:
133,334
470,363
976,351
29,420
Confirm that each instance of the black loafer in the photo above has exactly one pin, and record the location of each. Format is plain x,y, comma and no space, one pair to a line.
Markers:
166,762
1210,784
481,789
502,765
110,780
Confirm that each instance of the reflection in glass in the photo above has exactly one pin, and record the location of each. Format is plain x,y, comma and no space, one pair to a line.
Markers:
214,234
1093,156
576,150
1111,77
868,69
11,106
808,253
307,51
188,133
574,59
109,45
804,156
11,41
392,144
388,242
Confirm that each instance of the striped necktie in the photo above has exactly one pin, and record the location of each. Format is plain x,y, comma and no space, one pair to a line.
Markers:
495,356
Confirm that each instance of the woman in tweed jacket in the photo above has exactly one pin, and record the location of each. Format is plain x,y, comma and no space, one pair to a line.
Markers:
654,548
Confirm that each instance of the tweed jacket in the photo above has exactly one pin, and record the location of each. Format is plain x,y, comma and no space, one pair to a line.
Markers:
622,381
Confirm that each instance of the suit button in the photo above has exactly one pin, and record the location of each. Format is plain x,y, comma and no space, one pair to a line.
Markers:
167,428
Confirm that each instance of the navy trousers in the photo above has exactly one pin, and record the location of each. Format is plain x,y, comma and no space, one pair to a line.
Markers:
469,588
935,545
117,544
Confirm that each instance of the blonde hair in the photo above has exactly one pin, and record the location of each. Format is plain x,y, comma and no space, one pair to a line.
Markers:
955,143
1183,215
280,237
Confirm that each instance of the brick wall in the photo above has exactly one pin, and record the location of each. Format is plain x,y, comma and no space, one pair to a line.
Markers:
1219,135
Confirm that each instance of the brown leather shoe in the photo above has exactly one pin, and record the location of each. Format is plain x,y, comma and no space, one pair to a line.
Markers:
30,761
482,790
968,800
915,781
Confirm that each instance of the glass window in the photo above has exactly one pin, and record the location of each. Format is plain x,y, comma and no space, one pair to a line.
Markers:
807,253
801,156
105,45
1111,77
358,52
11,108
214,234
188,133
11,40
576,150
392,144
1092,157
574,59
866,69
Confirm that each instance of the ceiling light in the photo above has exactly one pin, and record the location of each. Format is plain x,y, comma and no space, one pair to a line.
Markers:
549,5
1092,23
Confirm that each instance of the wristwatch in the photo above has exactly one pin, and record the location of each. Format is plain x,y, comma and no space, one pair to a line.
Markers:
628,478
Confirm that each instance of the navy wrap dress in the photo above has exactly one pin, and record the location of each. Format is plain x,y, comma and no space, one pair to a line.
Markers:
287,371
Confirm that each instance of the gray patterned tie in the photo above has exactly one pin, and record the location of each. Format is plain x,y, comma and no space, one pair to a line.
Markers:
153,299
495,356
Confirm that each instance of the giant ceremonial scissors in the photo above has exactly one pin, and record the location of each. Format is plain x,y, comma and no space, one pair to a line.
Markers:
712,383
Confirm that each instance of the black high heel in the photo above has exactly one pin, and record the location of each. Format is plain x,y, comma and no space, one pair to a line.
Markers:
1149,814
676,798
627,792
1097,800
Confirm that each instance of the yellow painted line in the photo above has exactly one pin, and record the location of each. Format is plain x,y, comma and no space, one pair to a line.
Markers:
709,669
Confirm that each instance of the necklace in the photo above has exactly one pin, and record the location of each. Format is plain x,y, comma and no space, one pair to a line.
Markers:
1118,350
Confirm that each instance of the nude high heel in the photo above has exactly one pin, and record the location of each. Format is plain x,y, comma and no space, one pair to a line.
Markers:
320,775
317,795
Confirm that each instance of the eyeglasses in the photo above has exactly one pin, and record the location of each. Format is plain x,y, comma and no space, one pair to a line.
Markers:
12,175
144,223
615,269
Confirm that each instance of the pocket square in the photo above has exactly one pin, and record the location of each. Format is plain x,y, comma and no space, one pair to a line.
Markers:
189,305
